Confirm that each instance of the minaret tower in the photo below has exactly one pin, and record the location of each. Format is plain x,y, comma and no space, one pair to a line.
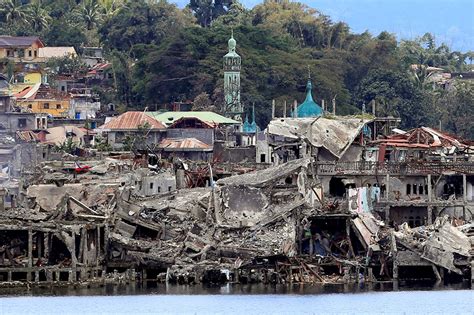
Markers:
232,64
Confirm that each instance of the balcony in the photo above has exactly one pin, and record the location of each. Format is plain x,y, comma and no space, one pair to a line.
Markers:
394,168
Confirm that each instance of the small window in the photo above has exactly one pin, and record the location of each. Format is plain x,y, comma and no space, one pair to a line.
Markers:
29,53
169,188
36,53
420,191
159,189
408,189
30,106
46,106
151,185
22,123
63,88
262,158
58,106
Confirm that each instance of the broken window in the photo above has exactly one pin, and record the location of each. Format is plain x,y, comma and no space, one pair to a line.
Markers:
408,189
420,191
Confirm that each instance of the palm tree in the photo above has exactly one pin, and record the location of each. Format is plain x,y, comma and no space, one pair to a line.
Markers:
13,11
89,13
111,7
38,17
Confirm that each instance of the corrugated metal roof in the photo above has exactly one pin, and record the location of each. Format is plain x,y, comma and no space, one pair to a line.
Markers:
184,144
131,121
18,41
209,117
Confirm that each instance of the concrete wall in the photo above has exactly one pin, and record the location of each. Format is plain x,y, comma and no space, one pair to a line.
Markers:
149,185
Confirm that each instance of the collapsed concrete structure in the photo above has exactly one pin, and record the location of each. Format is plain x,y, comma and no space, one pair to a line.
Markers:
334,207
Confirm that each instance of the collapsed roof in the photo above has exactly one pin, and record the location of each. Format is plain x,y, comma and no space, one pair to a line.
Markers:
424,138
335,134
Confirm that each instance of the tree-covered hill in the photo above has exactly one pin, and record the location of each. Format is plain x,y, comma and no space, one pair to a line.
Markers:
162,54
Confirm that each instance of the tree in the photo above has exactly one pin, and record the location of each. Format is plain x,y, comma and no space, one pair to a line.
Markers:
89,13
38,17
142,23
13,11
206,11
202,102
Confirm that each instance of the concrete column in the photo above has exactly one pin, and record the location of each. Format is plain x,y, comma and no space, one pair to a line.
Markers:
273,109
2,199
30,248
464,188
430,215
430,192
387,214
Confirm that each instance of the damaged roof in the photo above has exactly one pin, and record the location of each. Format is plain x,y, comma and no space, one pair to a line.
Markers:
131,121
264,177
335,134
184,144
424,137
212,118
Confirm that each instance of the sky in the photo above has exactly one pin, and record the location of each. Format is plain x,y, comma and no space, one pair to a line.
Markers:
451,21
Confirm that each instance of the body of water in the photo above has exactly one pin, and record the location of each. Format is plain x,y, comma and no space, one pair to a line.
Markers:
239,300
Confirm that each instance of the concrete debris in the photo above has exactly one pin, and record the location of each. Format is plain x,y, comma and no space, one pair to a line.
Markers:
74,223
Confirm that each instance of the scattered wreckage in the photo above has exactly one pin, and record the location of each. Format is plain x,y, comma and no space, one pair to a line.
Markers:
273,226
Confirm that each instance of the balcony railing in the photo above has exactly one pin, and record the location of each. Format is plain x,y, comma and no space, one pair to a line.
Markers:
400,168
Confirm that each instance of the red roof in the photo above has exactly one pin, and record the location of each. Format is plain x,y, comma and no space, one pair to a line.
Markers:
184,144
19,41
131,121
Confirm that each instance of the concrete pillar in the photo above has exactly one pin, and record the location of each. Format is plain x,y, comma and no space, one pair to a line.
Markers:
273,109
464,188
387,214
387,186
430,215
2,199
180,179
30,248
430,192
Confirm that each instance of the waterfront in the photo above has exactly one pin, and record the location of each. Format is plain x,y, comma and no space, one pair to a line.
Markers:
251,299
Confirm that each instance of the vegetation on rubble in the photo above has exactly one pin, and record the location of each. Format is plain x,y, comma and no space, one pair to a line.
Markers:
161,54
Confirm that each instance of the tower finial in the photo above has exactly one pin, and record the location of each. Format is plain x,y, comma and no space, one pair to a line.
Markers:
309,73
231,32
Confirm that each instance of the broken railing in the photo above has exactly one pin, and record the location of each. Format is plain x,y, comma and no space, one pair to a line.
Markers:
382,168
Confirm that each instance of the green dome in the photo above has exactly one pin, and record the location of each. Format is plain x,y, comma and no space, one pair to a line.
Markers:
309,108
